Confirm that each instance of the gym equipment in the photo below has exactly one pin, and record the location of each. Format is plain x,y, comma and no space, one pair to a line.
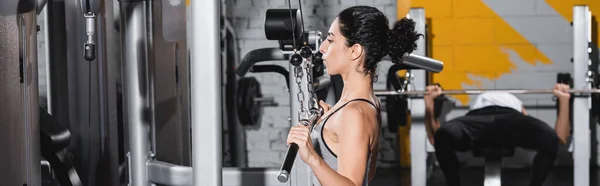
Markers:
581,104
596,106
493,161
281,25
135,87
155,71
90,10
298,77
309,115
581,108
14,7
271,68
416,80
249,98
206,169
396,103
20,160
256,56
414,61
54,139
234,134
513,91
596,101
268,54
249,106
91,113
321,82
290,156
144,168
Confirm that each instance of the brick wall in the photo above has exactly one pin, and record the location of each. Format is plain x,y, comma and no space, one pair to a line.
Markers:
266,146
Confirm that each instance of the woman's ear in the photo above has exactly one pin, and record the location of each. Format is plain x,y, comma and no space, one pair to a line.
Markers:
356,51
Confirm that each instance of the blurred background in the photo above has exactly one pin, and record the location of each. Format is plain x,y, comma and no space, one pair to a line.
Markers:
484,44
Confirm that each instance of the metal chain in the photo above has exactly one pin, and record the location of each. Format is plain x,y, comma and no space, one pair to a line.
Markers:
309,77
302,113
313,102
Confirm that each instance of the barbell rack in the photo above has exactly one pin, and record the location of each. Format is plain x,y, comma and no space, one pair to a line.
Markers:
475,91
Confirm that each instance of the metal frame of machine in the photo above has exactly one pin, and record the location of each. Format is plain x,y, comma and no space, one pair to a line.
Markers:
205,109
19,137
582,23
418,134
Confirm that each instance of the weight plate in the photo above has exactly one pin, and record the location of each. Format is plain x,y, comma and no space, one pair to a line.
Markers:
249,109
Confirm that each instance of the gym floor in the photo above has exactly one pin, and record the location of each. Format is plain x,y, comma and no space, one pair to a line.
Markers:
560,176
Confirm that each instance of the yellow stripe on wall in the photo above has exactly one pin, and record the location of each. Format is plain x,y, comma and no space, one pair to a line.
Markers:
403,7
471,39
565,9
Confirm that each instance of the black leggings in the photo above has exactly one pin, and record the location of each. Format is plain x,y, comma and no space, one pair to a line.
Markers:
503,126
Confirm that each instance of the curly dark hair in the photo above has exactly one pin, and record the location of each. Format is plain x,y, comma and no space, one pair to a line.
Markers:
368,27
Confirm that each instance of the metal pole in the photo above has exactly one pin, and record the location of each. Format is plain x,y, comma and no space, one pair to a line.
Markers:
57,68
135,87
12,131
515,91
205,81
581,117
27,29
107,62
418,133
46,55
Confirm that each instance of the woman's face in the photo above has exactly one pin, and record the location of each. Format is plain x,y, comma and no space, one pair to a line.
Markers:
336,56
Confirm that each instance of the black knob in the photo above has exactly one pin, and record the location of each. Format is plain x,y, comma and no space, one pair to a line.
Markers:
305,52
89,51
296,59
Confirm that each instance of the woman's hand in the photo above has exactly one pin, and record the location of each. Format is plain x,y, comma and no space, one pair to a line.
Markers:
325,106
432,92
561,91
300,135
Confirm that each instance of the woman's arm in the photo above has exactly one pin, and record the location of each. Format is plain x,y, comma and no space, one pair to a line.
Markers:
562,126
431,122
373,166
353,150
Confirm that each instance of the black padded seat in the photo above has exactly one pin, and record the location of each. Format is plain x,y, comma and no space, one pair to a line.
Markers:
493,151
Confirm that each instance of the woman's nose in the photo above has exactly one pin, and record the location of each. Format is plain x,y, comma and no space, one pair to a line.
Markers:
323,47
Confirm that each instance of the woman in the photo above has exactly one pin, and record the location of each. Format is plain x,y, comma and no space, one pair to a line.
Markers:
346,138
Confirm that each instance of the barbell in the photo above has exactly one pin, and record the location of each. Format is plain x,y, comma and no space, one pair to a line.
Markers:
473,91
